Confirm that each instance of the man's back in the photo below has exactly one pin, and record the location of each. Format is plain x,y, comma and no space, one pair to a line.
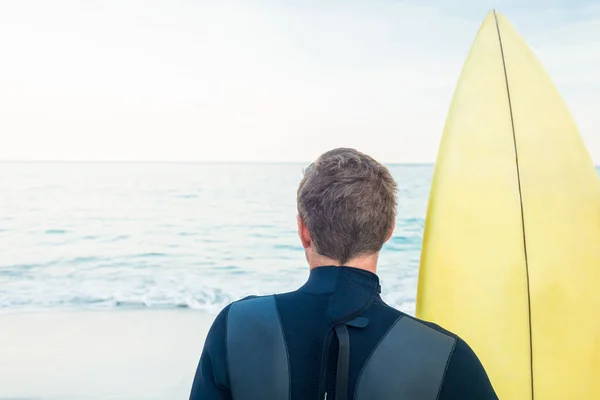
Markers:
335,338
289,348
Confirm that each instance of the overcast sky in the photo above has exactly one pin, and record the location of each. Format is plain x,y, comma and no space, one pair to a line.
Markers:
265,80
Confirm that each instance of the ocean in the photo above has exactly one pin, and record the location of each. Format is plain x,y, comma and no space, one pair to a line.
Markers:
172,236
160,235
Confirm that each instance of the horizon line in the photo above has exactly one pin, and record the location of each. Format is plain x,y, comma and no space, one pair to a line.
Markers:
412,163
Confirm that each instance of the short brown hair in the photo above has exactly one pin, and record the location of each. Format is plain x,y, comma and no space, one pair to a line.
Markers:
347,201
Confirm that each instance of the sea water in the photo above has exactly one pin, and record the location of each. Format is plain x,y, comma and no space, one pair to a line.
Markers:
160,235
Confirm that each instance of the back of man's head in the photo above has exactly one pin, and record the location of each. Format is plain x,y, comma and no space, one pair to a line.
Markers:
347,200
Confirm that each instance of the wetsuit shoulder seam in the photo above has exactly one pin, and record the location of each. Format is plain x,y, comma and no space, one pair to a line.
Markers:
434,327
446,368
227,346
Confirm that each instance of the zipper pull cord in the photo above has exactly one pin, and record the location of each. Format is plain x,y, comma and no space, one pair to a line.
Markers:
343,364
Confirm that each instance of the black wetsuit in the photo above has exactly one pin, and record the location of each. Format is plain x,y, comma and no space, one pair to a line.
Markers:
307,319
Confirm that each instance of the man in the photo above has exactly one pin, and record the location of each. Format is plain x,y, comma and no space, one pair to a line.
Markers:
334,338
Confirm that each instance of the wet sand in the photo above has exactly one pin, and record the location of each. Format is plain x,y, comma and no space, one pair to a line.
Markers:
124,354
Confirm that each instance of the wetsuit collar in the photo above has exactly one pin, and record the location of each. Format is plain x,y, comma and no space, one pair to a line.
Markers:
324,280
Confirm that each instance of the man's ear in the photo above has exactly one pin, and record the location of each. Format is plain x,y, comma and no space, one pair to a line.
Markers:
391,232
303,233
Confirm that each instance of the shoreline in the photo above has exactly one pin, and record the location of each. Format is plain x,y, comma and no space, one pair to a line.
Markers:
144,354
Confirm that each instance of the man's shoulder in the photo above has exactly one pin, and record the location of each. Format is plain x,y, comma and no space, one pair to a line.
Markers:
465,376
225,310
429,326
460,348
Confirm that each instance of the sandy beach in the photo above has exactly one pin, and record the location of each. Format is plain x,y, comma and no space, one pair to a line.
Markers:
123,354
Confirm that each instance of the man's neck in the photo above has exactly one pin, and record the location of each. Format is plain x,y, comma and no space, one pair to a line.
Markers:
366,262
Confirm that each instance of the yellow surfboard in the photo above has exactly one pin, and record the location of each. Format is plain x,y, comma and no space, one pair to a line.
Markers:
511,247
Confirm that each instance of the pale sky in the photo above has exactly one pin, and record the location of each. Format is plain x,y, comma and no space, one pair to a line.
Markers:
262,80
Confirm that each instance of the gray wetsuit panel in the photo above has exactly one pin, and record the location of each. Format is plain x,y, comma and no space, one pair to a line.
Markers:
409,364
256,352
